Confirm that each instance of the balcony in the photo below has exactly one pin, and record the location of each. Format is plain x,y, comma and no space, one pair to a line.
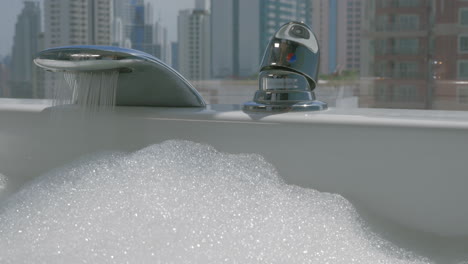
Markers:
399,27
400,3
401,75
380,51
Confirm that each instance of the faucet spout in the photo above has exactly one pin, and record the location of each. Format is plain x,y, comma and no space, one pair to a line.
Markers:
144,80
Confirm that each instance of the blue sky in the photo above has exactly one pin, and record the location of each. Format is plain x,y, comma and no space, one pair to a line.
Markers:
168,10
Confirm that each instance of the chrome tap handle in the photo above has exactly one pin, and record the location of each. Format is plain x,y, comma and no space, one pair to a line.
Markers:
294,48
289,72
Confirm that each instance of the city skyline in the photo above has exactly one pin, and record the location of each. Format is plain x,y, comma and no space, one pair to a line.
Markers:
10,12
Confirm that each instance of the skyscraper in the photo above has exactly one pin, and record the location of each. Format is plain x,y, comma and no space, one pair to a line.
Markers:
175,55
160,39
4,78
337,25
69,22
72,22
194,44
121,24
325,26
136,26
25,47
241,29
99,19
349,33
275,13
133,25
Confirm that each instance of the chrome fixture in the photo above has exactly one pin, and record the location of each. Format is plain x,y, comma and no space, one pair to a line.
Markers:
143,81
288,72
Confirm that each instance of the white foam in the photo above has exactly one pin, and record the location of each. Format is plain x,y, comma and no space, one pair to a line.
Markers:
182,202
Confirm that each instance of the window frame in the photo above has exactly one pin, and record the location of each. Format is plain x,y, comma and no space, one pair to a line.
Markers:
459,77
462,94
459,46
460,11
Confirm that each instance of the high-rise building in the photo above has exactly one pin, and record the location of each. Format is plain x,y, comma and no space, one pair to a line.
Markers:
418,54
121,24
69,22
25,47
4,78
322,14
275,13
175,55
337,25
136,26
349,27
224,39
202,4
100,18
241,29
160,39
72,22
194,44
133,26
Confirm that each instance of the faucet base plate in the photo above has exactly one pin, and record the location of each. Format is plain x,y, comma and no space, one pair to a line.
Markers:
297,107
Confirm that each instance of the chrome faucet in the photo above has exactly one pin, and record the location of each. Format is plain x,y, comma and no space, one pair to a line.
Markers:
288,72
143,81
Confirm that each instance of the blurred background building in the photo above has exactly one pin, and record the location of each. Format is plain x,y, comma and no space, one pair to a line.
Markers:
26,80
69,22
5,77
135,26
337,25
194,49
241,29
416,54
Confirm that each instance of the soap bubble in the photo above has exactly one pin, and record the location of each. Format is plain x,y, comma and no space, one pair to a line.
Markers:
182,202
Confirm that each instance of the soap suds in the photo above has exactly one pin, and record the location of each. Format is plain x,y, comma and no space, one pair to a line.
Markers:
182,202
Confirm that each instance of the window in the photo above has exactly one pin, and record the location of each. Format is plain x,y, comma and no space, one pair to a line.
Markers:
405,93
381,92
382,23
381,46
463,43
381,69
462,70
406,70
407,22
462,94
407,46
463,16
408,3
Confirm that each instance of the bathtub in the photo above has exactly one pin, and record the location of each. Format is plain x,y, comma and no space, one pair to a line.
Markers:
406,171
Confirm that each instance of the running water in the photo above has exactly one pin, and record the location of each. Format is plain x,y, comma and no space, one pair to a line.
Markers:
3,182
182,202
94,90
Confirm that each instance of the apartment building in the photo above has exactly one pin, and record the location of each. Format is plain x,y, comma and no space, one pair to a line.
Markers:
69,22
194,49
399,51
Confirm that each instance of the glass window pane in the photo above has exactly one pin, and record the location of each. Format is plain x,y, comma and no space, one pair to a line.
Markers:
464,16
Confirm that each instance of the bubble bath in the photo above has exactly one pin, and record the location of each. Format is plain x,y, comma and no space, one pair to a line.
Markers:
182,202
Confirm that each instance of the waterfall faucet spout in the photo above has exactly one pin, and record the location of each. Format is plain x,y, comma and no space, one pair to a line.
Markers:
144,80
